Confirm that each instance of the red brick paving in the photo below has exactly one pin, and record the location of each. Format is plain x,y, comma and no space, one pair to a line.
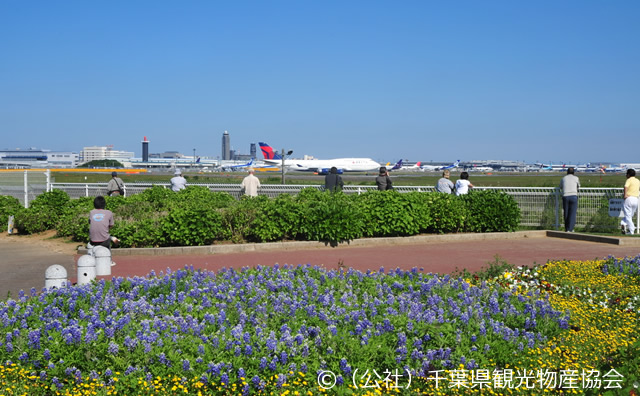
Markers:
440,257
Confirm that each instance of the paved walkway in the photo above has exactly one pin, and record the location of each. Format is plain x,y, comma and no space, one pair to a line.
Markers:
23,265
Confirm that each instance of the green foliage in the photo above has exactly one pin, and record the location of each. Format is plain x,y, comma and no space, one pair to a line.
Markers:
331,218
278,219
43,212
491,211
158,195
146,232
74,220
241,218
9,206
192,226
389,213
448,213
204,197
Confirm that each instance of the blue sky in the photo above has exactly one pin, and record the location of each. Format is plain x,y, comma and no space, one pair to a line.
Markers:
548,81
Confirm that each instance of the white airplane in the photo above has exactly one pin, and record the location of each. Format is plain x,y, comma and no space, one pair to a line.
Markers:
414,167
323,166
481,169
239,166
433,168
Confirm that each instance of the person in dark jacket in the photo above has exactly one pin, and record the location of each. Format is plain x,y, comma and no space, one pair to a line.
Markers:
332,181
383,181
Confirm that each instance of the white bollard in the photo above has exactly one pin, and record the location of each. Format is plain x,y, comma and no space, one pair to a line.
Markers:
86,269
103,260
55,276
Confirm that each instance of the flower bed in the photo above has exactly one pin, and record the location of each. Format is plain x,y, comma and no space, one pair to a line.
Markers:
307,330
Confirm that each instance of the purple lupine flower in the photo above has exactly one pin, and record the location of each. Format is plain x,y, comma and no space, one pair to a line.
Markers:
186,366
113,348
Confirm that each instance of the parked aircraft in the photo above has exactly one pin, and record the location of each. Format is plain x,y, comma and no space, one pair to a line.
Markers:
414,167
481,169
438,167
268,152
238,167
397,166
320,166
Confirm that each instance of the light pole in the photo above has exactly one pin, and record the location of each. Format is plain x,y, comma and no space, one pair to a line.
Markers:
283,157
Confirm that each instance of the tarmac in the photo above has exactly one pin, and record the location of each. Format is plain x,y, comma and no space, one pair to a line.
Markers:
23,263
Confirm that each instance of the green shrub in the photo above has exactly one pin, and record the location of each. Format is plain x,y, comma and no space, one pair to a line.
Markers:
30,221
74,220
204,197
146,232
53,201
491,211
241,218
9,206
277,220
388,213
43,212
448,213
192,226
331,218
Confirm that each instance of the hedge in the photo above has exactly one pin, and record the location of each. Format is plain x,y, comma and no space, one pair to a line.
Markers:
196,216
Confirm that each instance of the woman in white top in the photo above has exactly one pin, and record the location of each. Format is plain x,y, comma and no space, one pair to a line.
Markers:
463,184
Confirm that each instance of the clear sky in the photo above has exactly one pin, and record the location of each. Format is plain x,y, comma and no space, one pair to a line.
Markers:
548,81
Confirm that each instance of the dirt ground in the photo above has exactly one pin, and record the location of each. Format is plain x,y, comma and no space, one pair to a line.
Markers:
47,239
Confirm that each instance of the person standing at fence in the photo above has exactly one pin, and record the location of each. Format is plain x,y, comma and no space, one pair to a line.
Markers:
250,184
463,184
115,185
383,181
177,181
332,181
631,192
569,186
444,184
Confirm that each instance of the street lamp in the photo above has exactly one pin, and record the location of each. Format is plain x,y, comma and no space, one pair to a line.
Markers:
283,157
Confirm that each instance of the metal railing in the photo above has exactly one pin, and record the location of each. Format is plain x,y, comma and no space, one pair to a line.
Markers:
540,207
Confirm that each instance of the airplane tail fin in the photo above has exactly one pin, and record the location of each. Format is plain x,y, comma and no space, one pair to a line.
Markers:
397,166
268,152
418,164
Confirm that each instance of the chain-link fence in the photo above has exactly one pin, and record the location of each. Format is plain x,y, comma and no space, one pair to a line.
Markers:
25,185
540,207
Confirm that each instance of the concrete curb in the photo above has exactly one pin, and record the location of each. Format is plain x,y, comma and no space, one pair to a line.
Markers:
626,241
304,245
364,242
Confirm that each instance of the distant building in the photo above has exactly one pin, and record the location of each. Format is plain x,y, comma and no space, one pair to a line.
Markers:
104,153
145,149
252,150
166,154
35,158
226,146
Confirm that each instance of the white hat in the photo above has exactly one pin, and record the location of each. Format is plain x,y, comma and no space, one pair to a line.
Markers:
177,172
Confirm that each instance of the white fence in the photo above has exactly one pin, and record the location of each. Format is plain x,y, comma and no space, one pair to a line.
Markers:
539,206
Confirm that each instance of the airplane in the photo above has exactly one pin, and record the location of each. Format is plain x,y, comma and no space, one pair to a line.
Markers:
240,166
414,167
320,166
454,165
268,152
613,169
433,168
397,166
481,169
